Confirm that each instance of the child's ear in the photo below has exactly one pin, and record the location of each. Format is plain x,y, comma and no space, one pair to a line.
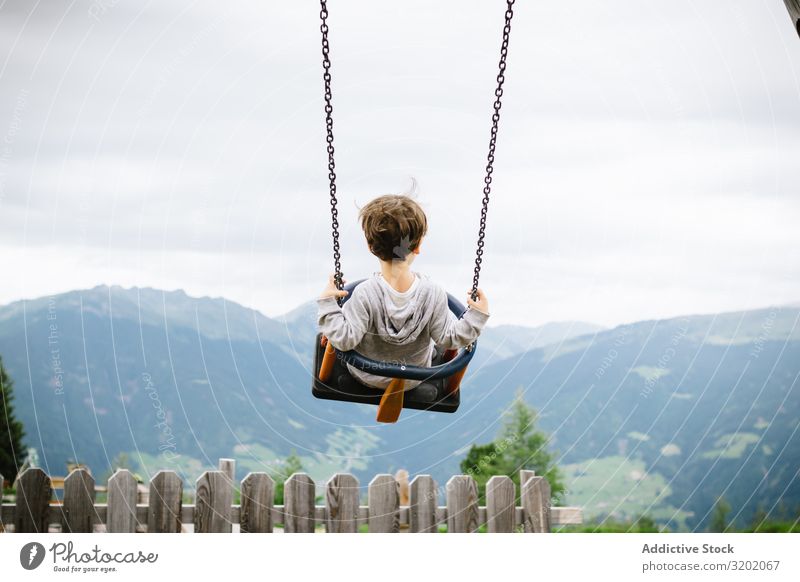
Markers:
416,250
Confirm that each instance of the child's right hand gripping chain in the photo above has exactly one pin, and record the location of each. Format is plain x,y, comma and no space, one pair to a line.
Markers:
481,303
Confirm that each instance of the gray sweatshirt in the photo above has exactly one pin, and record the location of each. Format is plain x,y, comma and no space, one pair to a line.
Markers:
383,324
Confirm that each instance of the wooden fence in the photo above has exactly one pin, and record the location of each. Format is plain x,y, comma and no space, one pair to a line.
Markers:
214,511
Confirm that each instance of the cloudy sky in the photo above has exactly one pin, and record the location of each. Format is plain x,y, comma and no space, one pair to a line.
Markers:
647,164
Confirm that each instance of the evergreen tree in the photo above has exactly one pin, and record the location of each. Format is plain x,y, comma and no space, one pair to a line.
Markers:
518,446
719,517
12,451
292,464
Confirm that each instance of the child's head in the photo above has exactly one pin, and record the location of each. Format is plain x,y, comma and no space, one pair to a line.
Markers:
394,226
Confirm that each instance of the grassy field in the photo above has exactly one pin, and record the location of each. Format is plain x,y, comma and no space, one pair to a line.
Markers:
618,488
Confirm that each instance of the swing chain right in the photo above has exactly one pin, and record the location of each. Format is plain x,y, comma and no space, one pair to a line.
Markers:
487,189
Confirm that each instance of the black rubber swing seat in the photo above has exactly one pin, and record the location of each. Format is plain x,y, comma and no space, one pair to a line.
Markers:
432,394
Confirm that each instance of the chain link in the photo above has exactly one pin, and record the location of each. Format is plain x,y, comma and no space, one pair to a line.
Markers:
487,188
326,65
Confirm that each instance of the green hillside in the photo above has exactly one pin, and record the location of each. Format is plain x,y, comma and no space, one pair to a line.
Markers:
663,417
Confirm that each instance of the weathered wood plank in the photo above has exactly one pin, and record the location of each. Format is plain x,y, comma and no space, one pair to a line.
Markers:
363,515
384,504
212,506
566,516
462,504
524,475
500,504
228,466
166,499
78,508
441,515
422,499
341,498
122,496
535,504
258,496
298,495
33,501
558,516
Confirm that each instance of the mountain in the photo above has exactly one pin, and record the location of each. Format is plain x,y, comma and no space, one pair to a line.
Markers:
178,381
505,341
660,417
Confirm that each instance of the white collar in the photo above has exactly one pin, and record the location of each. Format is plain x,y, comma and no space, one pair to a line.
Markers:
394,291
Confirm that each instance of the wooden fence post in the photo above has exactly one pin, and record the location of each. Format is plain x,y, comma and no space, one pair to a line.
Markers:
228,466
423,500
33,501
122,496
500,504
535,504
384,504
462,504
524,475
212,504
77,512
166,501
298,502
258,496
341,498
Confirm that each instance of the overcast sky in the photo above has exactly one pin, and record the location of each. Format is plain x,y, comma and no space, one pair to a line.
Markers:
647,164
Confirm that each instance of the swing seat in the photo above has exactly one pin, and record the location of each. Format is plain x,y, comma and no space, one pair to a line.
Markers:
430,395
438,391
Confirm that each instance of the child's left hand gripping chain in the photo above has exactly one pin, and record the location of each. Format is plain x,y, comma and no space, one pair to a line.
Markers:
331,290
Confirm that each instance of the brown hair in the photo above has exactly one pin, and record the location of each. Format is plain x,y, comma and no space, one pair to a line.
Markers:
394,225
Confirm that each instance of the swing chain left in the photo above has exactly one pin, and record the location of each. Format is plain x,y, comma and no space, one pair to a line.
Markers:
326,65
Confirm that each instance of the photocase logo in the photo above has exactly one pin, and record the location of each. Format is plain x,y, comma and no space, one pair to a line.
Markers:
31,555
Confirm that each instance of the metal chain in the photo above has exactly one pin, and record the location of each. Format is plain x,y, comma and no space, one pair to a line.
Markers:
326,65
487,189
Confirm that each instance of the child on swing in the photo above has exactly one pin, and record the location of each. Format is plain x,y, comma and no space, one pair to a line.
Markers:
397,315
